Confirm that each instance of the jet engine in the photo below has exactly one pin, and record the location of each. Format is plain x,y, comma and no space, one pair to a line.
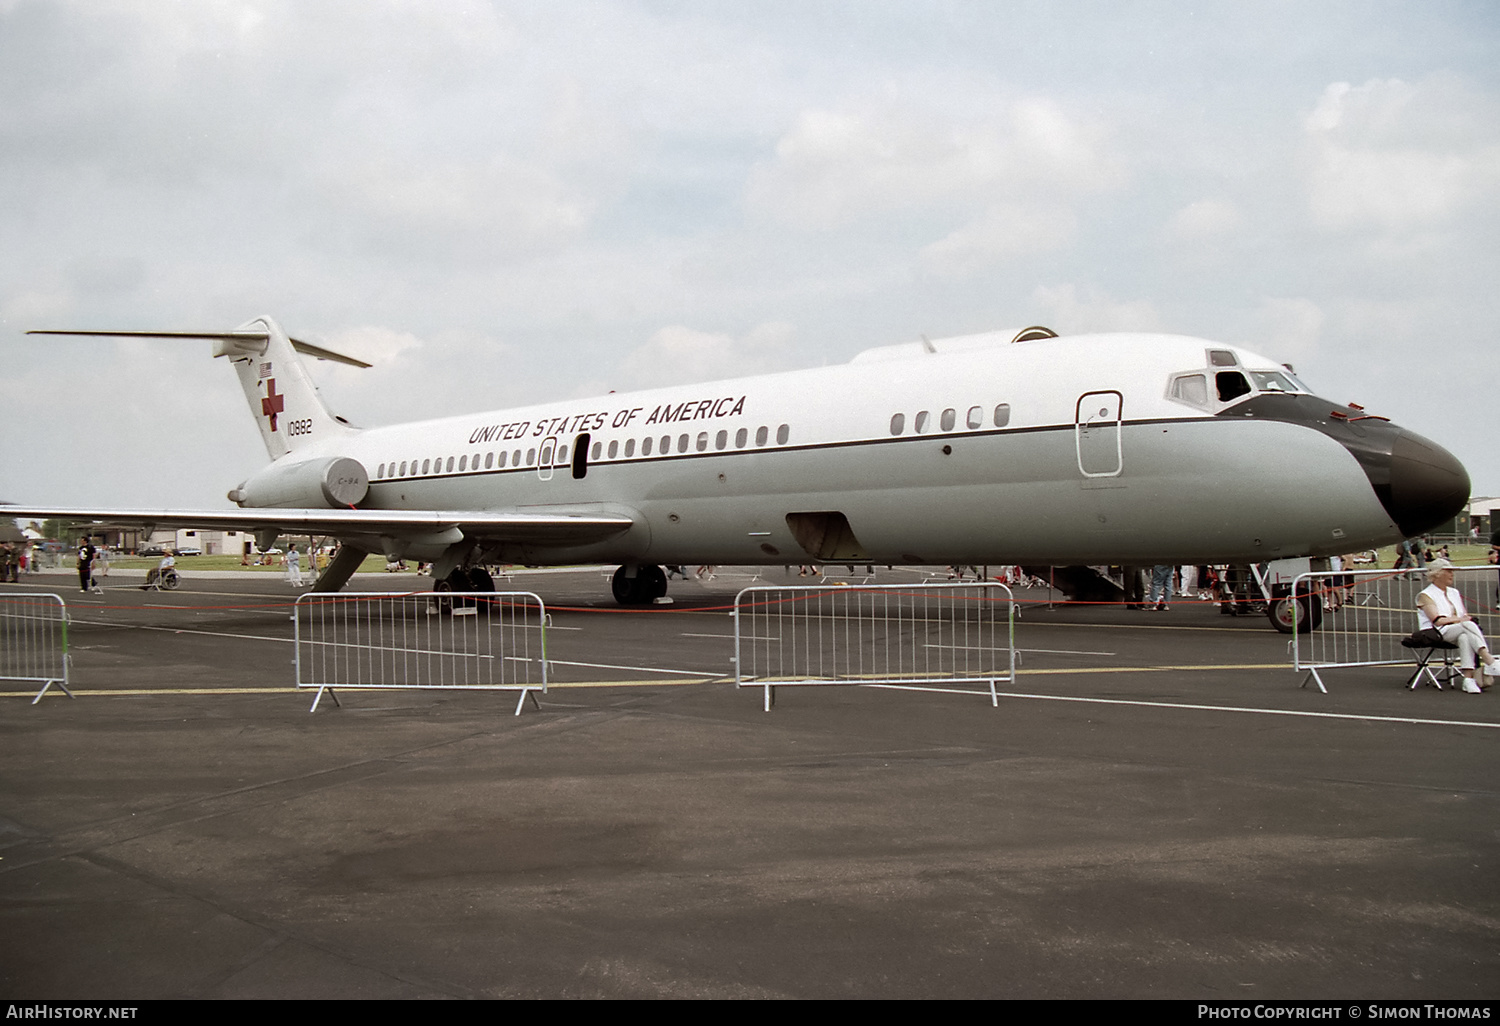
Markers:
331,482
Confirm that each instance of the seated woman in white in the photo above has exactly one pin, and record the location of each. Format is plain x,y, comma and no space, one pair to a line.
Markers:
1441,608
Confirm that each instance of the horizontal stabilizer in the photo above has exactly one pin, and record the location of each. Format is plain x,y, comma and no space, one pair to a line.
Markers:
242,336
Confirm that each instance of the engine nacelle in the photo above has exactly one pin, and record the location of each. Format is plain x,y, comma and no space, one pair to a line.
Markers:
333,482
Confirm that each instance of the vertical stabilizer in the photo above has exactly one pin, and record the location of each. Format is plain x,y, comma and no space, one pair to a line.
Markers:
281,393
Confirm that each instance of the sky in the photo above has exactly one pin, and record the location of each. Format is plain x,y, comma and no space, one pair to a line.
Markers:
504,203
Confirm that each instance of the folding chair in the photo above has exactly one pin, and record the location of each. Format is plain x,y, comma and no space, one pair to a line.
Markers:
1424,645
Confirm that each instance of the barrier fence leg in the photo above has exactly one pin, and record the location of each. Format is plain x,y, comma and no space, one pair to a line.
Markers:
1312,674
48,685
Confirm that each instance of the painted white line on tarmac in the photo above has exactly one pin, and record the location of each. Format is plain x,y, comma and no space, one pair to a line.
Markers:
637,669
1189,705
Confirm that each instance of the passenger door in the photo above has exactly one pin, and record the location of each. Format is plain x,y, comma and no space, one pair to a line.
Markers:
1096,433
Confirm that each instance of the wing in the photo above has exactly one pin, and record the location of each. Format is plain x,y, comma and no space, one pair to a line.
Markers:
539,527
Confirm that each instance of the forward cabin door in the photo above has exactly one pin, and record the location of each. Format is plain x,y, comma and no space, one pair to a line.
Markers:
1096,433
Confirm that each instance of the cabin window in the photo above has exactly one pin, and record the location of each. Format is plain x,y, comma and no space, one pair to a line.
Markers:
629,448
614,448
500,460
921,422
475,461
463,463
702,440
950,418
976,417
426,466
721,440
666,444
1231,385
403,468
489,460
761,435
740,438
530,457
682,443
380,471
562,456
898,423
1002,414
646,446
597,451
515,458
783,433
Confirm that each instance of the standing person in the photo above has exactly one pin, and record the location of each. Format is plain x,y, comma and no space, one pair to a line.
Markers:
100,569
293,566
86,553
1161,587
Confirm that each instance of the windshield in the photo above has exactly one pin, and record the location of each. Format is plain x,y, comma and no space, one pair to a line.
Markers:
1276,381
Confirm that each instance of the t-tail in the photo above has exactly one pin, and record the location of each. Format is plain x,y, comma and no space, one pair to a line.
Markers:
282,395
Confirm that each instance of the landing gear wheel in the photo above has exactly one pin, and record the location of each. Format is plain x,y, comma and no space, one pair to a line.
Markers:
480,579
657,578
648,584
1302,614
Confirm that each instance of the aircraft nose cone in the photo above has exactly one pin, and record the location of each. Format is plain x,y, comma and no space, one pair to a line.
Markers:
1428,486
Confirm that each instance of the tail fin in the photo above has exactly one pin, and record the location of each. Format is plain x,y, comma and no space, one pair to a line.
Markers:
282,396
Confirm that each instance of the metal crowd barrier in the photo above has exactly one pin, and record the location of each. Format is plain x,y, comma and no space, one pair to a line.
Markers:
1372,611
484,641
34,640
882,634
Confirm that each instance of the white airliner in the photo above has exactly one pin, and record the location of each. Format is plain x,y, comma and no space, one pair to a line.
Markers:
1001,448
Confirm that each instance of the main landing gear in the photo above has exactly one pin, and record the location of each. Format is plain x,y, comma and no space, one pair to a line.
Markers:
641,588
1301,613
472,578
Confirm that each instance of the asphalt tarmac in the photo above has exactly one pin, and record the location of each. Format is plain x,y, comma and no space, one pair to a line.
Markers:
1155,810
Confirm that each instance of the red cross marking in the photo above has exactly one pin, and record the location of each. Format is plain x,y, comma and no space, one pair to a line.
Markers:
272,404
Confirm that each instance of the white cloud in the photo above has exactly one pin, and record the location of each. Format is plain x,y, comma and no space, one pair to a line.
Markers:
1004,231
1288,328
1205,219
1400,157
837,166
677,354
1068,313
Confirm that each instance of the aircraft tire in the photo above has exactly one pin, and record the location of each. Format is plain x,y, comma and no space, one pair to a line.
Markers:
1303,612
657,578
480,579
648,584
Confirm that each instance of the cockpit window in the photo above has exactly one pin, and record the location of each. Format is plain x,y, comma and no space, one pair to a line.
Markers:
1191,388
1231,385
1276,381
